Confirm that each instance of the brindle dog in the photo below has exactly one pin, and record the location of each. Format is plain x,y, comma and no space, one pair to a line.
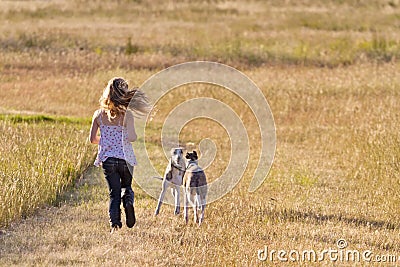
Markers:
195,187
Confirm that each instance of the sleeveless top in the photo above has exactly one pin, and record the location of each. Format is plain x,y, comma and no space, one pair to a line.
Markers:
114,143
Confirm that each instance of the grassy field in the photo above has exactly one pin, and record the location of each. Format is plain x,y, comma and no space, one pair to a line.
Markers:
329,70
41,156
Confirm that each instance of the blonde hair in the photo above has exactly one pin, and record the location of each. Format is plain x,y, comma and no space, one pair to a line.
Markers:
117,98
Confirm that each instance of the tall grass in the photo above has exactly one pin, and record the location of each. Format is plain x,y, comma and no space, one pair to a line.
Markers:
38,160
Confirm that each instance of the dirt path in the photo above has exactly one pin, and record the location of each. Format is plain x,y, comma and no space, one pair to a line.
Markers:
76,232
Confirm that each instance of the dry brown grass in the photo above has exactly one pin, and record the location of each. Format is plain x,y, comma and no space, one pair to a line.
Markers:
333,177
329,72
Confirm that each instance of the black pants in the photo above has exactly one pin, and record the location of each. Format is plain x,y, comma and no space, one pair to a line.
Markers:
118,174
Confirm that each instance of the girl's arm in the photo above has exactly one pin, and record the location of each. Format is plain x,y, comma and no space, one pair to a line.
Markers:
93,137
130,125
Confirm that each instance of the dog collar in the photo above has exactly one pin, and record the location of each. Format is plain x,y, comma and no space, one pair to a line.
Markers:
178,167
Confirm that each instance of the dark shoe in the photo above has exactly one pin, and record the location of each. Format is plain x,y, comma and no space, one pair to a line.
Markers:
130,214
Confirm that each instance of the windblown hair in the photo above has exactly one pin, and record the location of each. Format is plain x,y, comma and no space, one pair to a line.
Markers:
117,98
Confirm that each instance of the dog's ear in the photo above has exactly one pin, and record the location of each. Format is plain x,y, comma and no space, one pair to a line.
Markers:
168,176
195,154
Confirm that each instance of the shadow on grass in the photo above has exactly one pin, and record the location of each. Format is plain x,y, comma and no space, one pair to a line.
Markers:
91,186
315,218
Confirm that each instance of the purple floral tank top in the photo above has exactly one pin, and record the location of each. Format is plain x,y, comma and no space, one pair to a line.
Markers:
114,143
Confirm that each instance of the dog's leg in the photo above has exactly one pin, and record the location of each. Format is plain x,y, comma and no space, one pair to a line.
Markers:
194,205
198,201
161,198
203,207
195,214
177,196
173,191
186,205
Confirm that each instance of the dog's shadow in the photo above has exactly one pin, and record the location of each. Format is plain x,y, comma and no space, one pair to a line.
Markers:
315,218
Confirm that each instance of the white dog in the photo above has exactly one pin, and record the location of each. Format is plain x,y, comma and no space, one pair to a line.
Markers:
173,178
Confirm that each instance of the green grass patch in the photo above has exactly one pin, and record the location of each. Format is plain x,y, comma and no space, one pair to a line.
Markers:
17,118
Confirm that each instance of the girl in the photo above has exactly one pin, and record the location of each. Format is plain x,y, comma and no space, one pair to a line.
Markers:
115,153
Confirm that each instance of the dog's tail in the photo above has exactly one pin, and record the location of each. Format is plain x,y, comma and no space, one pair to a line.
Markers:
157,177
